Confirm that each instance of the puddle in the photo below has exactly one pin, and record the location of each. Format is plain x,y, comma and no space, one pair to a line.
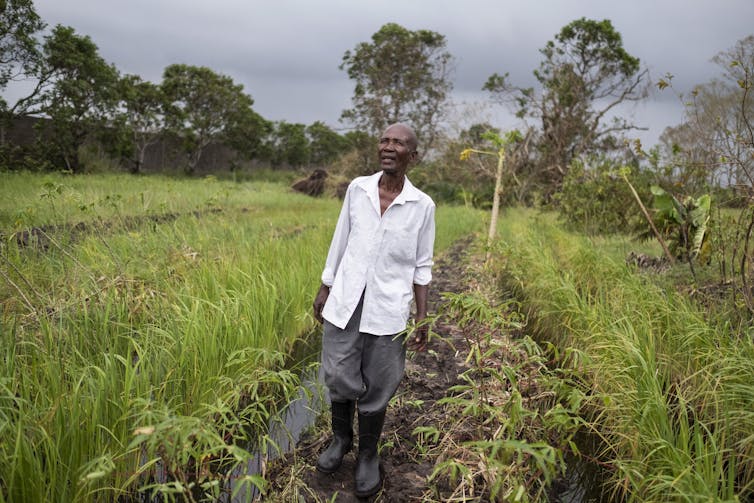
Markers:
300,415
584,480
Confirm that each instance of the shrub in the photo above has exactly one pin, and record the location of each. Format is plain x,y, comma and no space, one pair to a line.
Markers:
595,200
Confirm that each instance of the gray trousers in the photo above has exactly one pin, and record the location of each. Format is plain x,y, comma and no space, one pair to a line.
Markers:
362,367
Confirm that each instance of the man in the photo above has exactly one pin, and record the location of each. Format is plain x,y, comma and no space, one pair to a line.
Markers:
381,253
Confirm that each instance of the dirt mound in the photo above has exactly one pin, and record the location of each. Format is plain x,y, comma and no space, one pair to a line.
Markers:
313,185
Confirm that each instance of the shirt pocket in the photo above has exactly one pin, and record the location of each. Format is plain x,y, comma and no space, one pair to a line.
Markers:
400,246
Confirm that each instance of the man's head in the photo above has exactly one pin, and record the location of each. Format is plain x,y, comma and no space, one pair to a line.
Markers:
397,149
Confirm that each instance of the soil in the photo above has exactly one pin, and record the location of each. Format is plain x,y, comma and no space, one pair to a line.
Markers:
428,377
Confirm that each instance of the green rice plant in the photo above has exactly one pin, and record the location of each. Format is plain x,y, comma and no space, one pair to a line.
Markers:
150,354
668,390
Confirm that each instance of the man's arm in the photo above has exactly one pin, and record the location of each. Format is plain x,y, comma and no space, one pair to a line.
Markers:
339,241
422,278
418,341
334,254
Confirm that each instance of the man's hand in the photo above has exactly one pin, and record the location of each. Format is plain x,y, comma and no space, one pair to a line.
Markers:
319,302
417,341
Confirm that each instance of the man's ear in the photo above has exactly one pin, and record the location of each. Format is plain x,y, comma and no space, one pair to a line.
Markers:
414,156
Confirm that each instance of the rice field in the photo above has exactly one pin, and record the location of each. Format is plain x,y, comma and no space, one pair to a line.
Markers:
671,393
146,324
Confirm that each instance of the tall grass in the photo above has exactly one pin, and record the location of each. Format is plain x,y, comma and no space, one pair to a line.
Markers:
672,394
150,354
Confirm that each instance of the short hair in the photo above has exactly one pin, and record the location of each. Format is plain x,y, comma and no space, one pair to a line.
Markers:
413,140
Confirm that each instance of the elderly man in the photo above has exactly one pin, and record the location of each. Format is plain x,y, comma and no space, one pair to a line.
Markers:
380,257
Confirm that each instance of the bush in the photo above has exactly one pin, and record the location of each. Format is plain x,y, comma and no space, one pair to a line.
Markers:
594,199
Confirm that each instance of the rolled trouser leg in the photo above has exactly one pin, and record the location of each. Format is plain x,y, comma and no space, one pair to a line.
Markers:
342,430
368,480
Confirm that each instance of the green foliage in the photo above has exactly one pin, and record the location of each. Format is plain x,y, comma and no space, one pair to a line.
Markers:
245,134
585,73
83,92
203,106
21,60
516,435
684,221
595,200
594,42
669,391
400,76
288,145
325,145
20,56
138,123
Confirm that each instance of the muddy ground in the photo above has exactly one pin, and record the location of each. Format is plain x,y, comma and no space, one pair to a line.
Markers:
428,377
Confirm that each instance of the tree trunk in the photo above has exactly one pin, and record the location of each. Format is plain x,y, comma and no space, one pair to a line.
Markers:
649,220
495,202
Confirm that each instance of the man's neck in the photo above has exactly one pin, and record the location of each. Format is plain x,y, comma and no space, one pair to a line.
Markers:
392,182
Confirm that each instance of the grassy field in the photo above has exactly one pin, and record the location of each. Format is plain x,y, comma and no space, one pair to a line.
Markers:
671,393
145,328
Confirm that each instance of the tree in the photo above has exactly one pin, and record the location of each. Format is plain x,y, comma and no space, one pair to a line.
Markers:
139,122
20,56
82,93
401,76
586,73
201,107
687,159
325,145
501,147
470,183
473,183
289,145
245,133
716,140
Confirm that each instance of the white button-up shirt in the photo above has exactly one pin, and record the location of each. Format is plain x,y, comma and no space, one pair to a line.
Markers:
382,256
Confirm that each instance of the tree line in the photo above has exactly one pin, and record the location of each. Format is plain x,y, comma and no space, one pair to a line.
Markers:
571,131
84,99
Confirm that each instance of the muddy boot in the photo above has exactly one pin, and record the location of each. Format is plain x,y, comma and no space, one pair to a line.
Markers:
342,429
368,479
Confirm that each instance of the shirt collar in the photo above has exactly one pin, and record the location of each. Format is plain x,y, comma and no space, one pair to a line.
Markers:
370,185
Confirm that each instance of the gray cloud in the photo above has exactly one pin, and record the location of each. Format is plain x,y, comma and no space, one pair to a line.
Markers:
286,53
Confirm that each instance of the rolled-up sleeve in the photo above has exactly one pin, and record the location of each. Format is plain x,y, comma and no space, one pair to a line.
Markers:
339,241
424,248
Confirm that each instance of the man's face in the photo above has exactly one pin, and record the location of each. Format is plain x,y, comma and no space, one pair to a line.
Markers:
396,150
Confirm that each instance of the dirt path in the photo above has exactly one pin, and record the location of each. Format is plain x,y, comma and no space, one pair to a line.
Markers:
427,379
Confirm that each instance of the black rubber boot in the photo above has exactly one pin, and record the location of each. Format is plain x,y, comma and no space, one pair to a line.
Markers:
368,480
342,430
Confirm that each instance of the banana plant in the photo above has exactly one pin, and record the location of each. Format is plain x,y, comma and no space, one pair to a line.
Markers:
685,221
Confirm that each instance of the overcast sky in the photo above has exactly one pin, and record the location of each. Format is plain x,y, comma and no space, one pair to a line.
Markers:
286,53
